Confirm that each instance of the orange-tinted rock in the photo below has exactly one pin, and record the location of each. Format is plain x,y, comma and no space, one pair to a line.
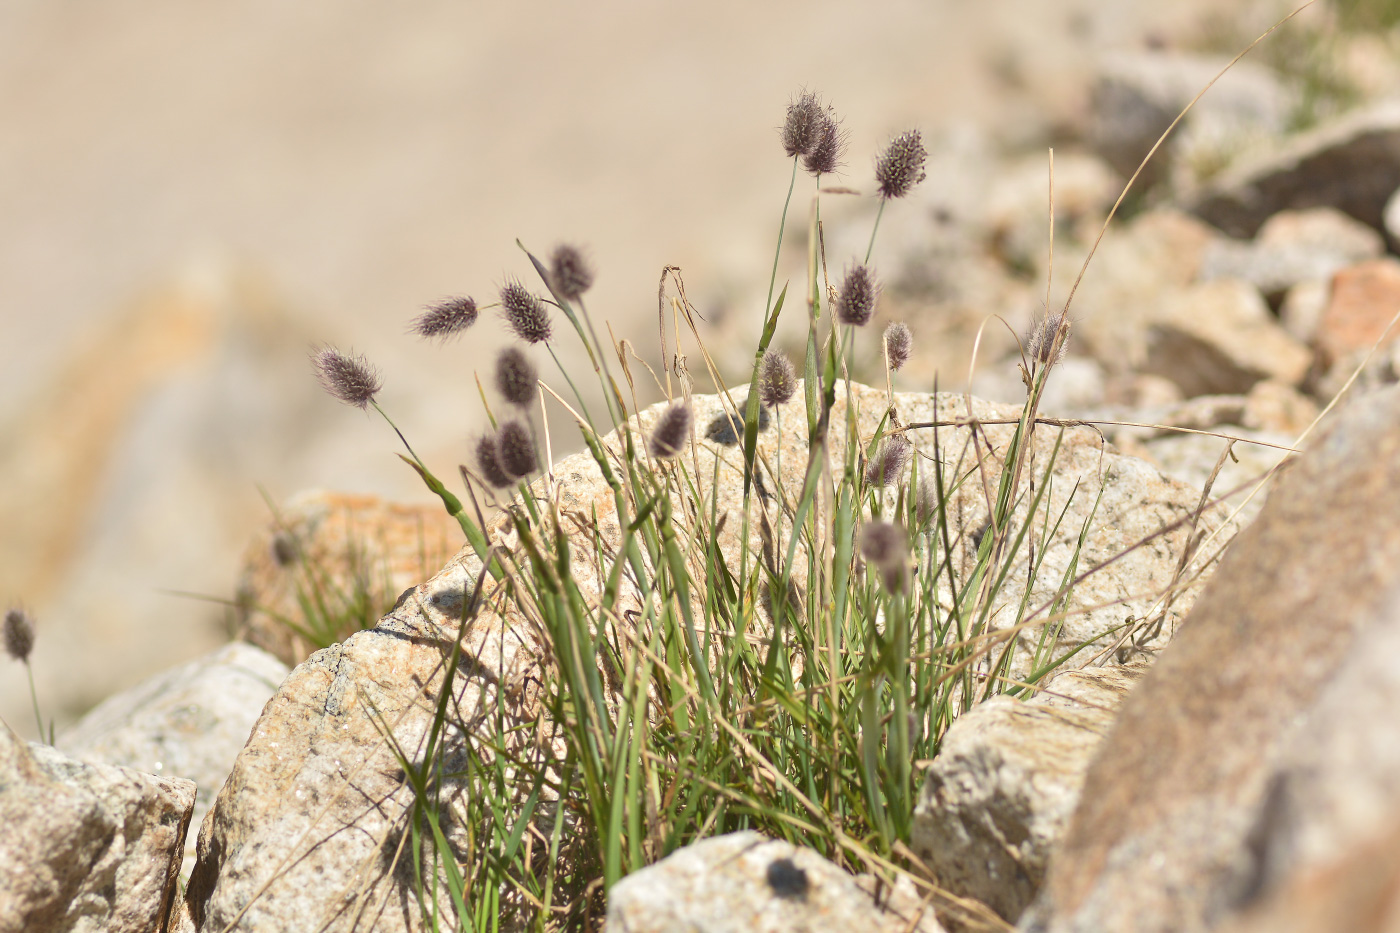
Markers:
1365,299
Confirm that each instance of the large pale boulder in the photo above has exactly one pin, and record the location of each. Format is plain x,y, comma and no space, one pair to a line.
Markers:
1212,781
308,829
189,722
1007,777
86,848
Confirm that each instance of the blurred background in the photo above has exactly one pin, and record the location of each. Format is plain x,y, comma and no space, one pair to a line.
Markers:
191,195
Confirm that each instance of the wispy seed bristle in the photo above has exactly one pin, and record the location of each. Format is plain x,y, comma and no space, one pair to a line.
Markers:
488,461
777,380
447,318
830,146
515,450
19,634
888,461
524,313
349,378
901,166
569,273
1041,343
671,432
516,376
856,301
899,343
805,116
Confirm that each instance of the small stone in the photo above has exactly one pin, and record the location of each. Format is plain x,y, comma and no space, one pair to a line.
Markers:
1365,298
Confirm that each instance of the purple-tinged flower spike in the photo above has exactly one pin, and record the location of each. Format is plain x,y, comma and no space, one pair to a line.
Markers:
349,378
777,380
447,318
889,461
856,301
19,634
1041,344
805,118
516,377
826,153
515,450
488,461
899,343
901,166
569,272
886,547
524,313
671,432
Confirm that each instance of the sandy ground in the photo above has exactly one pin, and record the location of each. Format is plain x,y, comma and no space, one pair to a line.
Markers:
366,158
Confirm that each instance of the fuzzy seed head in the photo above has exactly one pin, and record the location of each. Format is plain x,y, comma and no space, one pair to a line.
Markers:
488,461
569,273
899,343
856,300
515,450
805,116
349,378
447,318
925,504
19,634
901,166
1041,343
889,461
830,146
777,380
886,547
671,432
516,376
524,313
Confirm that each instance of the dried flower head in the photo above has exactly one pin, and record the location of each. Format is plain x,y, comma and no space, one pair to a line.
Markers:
1042,342
856,300
889,461
898,345
925,503
777,380
886,547
447,318
488,461
569,273
516,376
349,378
901,166
671,432
524,313
805,117
19,634
825,155
515,450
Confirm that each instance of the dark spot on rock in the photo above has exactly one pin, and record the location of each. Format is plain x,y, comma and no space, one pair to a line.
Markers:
786,879
729,429
285,549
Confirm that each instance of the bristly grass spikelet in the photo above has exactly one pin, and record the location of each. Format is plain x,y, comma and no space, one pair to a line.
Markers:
899,343
349,378
516,376
515,450
19,634
888,461
488,461
1042,344
856,301
671,432
901,166
777,379
885,546
524,313
446,319
830,147
569,272
802,128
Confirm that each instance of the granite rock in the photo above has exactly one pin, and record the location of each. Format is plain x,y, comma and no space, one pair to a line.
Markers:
86,848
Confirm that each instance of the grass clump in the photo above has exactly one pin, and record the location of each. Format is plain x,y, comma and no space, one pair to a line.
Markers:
734,635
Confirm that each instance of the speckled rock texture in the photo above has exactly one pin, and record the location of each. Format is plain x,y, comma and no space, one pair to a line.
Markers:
86,848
